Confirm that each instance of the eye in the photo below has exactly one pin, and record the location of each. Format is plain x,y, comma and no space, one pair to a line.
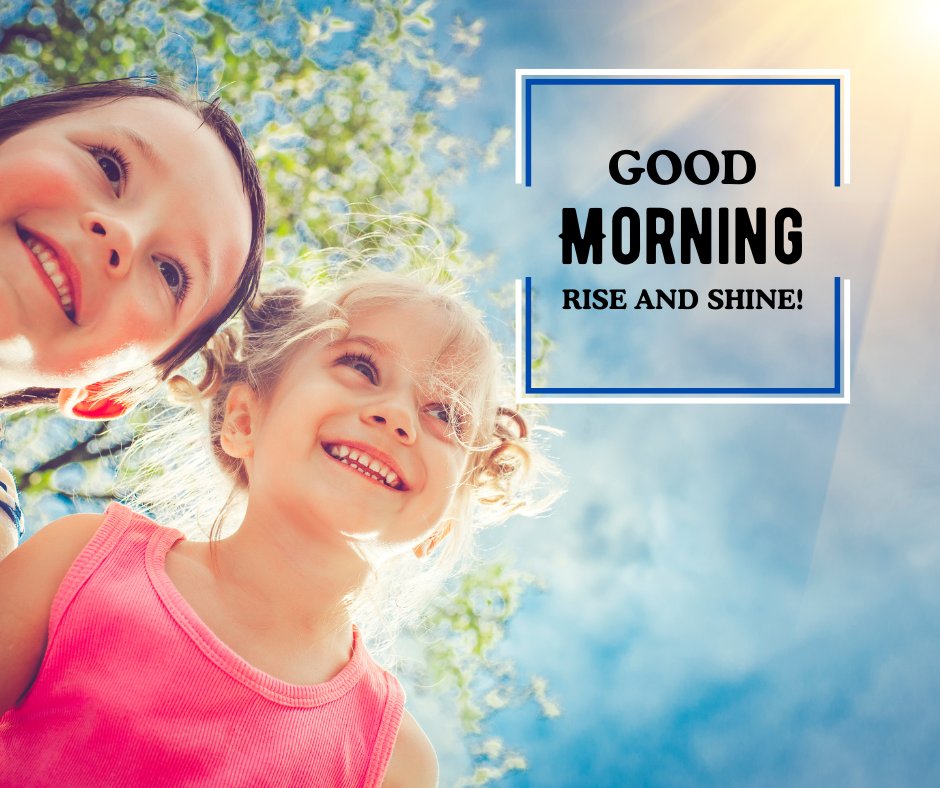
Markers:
439,411
175,276
362,363
449,415
114,166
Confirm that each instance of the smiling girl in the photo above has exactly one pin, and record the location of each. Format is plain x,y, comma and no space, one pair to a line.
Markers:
367,435
131,228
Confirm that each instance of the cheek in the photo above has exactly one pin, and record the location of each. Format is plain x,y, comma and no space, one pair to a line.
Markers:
459,460
138,325
451,466
34,180
128,334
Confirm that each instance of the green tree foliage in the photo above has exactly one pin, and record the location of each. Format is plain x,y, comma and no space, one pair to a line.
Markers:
343,107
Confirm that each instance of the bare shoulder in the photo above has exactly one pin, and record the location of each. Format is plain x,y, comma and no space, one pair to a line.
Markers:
47,556
29,579
413,762
73,529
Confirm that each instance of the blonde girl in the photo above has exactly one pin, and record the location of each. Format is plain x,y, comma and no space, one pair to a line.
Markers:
364,429
131,228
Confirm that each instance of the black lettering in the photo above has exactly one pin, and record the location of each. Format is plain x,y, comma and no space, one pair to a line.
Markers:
614,167
710,158
750,167
656,237
749,299
754,238
572,237
697,235
571,298
653,167
644,300
722,236
795,237
616,241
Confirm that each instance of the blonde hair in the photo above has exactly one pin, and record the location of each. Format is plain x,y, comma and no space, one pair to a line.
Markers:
503,467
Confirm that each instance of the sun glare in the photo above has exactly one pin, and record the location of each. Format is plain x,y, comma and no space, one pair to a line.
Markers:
929,17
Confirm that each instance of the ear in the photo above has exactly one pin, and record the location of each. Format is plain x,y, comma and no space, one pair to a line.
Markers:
237,438
428,546
89,403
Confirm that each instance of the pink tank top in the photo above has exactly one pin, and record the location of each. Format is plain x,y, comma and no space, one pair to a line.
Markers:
135,690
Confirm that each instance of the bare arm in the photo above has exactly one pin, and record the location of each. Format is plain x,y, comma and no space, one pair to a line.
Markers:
8,537
413,763
9,504
29,579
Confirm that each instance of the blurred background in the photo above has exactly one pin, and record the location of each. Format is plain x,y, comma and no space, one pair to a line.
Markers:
726,595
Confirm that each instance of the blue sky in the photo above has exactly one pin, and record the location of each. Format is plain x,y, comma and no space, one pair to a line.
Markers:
734,595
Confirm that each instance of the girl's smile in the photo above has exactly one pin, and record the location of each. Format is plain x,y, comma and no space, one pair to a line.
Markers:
123,227
56,269
368,461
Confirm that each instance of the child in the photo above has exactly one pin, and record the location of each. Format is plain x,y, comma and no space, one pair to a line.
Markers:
364,430
131,228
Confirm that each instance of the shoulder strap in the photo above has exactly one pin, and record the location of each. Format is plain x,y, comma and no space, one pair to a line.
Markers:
117,520
388,729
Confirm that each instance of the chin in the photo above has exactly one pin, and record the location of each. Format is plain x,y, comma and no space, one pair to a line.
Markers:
71,371
59,373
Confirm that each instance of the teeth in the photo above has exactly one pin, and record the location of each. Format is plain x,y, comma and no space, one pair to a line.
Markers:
363,463
50,264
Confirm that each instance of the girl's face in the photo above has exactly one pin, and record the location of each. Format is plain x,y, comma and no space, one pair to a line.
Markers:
123,227
354,439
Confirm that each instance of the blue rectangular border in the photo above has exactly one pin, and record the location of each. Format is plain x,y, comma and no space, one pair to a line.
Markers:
835,83
835,389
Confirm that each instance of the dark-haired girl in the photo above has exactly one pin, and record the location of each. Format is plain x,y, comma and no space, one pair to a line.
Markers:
131,228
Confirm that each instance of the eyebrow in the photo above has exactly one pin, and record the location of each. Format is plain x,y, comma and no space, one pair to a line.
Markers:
375,344
202,255
143,146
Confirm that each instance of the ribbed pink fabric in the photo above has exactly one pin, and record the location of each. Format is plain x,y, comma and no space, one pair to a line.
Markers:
135,690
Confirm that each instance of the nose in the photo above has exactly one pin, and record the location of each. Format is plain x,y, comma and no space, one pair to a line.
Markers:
393,414
112,240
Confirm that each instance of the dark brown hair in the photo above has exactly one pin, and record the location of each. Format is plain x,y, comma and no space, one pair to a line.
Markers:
20,115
